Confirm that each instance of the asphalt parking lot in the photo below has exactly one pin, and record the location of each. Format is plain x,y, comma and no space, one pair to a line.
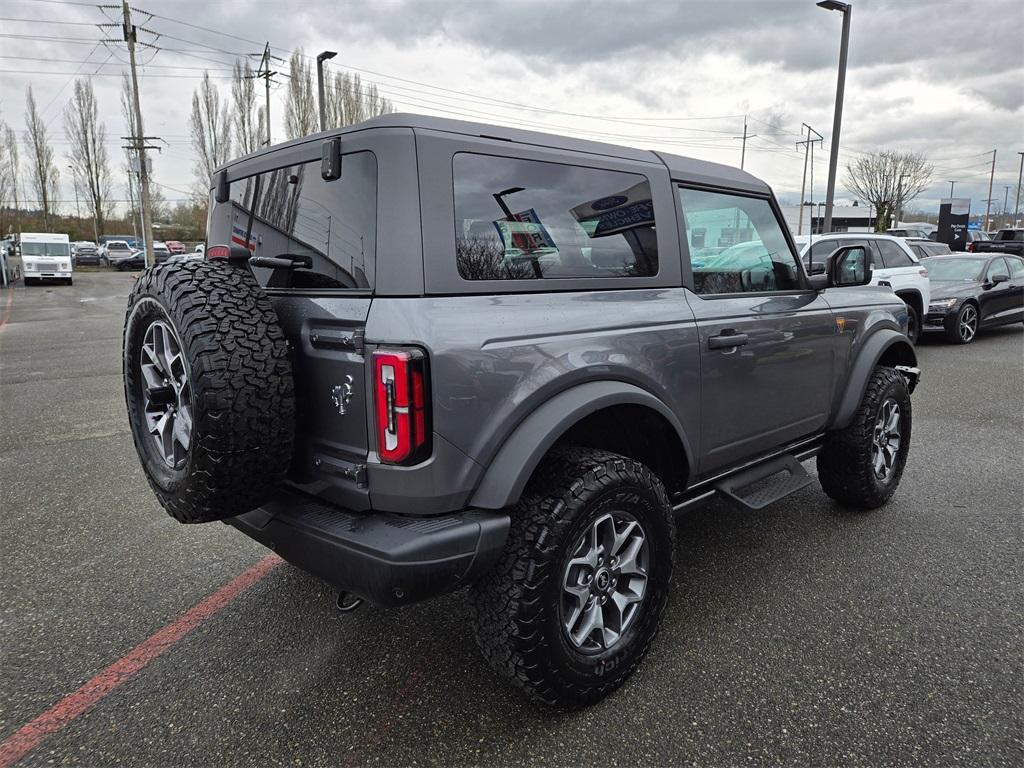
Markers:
800,635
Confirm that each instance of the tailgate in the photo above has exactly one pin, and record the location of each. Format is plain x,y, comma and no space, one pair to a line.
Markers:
326,337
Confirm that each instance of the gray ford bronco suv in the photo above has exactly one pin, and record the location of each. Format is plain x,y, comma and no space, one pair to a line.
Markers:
422,354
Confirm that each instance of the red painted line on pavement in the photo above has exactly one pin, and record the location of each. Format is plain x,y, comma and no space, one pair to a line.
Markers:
36,731
404,698
7,308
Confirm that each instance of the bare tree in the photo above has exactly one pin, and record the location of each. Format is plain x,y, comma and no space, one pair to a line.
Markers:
250,120
44,171
300,110
9,177
211,132
888,180
348,102
88,155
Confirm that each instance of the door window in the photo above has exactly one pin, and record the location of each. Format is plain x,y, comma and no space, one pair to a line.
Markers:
996,267
1016,268
527,219
892,255
736,244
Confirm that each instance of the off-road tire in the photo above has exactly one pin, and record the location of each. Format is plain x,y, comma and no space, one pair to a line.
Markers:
516,605
241,382
845,463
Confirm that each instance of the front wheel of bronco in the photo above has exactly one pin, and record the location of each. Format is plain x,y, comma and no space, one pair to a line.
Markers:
861,465
571,608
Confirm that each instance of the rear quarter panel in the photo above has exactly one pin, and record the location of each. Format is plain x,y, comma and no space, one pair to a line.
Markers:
494,359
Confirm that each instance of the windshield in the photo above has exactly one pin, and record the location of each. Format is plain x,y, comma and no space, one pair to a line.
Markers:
954,269
45,249
116,245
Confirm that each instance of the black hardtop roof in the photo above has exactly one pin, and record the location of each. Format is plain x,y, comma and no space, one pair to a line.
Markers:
682,168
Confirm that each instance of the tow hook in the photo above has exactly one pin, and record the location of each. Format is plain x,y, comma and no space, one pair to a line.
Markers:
347,603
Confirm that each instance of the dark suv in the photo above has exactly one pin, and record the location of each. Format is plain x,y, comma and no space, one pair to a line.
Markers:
422,354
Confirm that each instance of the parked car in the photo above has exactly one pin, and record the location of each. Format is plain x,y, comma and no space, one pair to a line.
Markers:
893,263
500,368
1008,241
113,252
200,249
135,260
85,252
160,251
911,230
924,249
974,291
175,247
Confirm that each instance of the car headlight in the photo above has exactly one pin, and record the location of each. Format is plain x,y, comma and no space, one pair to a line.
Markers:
942,306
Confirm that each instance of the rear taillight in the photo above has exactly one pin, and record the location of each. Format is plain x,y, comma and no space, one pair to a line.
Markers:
218,252
971,246
400,400
923,272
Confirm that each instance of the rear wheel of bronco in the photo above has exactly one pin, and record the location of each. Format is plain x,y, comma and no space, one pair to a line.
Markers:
861,465
209,389
573,605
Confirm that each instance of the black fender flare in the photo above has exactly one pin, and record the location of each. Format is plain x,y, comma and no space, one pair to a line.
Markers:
892,344
514,463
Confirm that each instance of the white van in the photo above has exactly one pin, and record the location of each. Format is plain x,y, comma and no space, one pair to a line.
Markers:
45,256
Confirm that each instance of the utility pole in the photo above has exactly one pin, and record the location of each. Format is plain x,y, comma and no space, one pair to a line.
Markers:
1020,177
266,74
745,136
139,140
951,185
1006,197
803,184
991,178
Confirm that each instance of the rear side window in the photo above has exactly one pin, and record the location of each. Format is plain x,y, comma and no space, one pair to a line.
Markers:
292,211
892,255
527,219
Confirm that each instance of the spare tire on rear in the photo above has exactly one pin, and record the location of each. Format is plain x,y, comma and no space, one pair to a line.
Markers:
209,388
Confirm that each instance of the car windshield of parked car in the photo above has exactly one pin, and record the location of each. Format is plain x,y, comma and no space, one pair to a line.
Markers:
1011,234
954,269
45,249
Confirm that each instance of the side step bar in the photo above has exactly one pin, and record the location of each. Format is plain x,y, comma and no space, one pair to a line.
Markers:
766,483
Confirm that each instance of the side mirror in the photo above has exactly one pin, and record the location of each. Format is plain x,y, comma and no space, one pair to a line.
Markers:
330,160
817,268
849,266
1002,277
223,192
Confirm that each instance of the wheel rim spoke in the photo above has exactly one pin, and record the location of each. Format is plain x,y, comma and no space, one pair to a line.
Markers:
604,582
886,442
167,395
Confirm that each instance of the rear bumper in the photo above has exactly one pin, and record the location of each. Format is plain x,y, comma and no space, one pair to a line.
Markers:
387,559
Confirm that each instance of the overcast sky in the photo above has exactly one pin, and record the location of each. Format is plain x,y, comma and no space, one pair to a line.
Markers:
942,78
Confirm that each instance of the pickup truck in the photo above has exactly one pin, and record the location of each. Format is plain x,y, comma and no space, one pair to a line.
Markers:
1007,241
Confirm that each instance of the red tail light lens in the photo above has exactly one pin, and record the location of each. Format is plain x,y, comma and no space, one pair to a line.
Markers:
218,252
400,405
971,246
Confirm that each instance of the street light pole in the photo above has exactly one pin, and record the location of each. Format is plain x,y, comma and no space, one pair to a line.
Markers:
320,59
951,185
1020,176
847,10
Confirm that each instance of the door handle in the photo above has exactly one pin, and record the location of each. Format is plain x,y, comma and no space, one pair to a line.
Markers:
727,340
